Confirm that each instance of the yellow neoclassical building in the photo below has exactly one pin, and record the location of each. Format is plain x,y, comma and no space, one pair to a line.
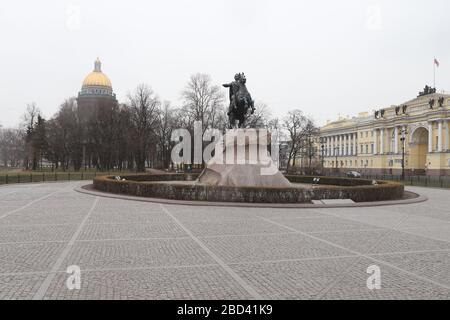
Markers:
373,142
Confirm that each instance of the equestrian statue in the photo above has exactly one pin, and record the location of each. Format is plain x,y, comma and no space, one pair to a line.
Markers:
241,103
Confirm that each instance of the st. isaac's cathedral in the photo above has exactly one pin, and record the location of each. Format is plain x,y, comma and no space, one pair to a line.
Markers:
96,89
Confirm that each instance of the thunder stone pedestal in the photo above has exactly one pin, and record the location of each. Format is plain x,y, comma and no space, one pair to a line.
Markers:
244,162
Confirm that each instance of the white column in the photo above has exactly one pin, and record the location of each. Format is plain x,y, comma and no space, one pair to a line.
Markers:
395,139
381,141
375,141
430,137
338,145
345,145
328,146
350,144
439,146
333,146
447,136
355,146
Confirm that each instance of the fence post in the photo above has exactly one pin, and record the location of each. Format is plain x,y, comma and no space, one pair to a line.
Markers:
68,175
31,177
6,179
18,178
43,177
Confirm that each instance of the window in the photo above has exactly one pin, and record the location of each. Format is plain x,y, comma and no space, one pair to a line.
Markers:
367,148
367,134
362,163
372,148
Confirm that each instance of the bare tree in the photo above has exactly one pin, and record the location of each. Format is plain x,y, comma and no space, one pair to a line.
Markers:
261,117
311,132
69,135
203,101
144,114
29,119
167,122
11,147
30,115
294,123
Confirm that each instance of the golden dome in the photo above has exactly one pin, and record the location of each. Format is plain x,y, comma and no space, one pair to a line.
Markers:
97,77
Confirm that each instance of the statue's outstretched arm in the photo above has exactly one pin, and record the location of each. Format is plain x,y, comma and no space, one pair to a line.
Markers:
227,85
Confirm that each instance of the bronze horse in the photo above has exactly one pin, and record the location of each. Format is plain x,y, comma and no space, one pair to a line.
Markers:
241,103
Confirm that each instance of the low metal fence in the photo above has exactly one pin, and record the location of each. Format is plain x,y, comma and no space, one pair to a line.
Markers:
411,180
9,178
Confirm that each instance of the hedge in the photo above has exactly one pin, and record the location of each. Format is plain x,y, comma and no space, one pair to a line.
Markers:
359,190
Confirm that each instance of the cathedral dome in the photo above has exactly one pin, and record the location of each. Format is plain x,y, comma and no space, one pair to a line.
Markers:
97,78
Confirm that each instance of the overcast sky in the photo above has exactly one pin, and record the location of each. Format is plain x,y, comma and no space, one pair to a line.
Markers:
324,57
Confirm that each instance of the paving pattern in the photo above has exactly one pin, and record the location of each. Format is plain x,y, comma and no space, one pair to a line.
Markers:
139,250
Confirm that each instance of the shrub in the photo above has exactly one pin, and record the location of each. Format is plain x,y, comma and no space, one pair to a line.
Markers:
149,185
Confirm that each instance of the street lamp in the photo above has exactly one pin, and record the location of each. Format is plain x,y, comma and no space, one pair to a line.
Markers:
336,154
322,148
402,139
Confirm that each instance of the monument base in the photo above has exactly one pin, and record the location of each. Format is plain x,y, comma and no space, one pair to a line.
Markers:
244,162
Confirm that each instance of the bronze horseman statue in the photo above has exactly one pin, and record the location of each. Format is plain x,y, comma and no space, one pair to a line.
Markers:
241,103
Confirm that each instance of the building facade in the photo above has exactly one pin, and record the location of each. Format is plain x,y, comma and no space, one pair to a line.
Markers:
417,131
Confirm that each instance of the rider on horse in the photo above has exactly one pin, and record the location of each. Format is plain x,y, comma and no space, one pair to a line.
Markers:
234,88
240,100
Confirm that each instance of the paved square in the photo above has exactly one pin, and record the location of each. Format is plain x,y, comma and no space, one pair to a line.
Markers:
141,250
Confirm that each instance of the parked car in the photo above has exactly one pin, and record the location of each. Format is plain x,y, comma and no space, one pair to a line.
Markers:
353,174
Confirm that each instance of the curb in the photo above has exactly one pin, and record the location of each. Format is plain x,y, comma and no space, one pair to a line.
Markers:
89,189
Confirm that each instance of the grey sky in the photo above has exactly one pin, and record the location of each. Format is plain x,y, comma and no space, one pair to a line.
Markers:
324,57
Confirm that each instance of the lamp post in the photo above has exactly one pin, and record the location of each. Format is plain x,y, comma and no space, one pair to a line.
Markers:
402,139
322,150
336,155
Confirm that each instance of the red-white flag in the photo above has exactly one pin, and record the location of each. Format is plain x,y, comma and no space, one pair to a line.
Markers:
436,62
